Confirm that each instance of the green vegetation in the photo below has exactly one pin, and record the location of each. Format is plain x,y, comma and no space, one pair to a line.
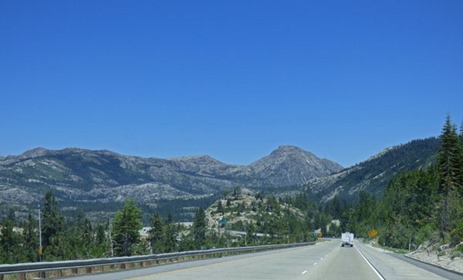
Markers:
275,219
126,227
423,205
75,237
418,206
375,173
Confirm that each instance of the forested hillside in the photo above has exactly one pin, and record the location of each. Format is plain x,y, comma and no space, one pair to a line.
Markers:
423,206
420,206
265,219
374,174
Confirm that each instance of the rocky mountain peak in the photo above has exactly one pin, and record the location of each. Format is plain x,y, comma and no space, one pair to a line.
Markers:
289,149
36,152
301,164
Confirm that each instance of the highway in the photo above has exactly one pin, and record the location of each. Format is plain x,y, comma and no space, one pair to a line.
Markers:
325,260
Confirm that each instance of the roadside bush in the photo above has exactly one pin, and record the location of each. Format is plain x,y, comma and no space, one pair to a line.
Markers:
456,254
456,235
424,234
394,237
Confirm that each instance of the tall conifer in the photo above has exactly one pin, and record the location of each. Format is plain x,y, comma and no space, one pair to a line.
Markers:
126,227
449,164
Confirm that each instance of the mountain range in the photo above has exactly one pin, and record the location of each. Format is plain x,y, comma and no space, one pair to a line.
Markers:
97,182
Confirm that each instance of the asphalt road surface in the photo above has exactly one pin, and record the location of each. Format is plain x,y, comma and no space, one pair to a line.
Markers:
326,260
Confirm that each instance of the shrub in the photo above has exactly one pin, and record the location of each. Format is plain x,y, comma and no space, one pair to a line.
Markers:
456,234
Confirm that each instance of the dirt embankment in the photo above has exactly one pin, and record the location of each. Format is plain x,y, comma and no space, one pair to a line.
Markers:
443,256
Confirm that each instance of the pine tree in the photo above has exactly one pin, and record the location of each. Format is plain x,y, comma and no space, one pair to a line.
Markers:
9,241
30,239
220,207
156,234
460,136
126,227
100,237
52,222
199,228
101,243
170,235
336,207
449,165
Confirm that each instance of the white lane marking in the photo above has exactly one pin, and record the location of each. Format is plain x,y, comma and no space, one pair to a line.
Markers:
315,264
372,267
304,272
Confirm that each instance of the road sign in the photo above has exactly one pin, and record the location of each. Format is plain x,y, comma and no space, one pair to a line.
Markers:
372,233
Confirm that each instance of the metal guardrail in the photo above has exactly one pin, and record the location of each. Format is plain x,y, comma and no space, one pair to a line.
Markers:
75,266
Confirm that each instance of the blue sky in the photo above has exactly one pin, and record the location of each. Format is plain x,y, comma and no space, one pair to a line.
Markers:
231,79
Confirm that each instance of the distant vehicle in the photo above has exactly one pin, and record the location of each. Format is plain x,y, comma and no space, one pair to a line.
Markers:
347,239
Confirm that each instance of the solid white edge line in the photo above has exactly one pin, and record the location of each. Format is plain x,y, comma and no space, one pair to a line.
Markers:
372,267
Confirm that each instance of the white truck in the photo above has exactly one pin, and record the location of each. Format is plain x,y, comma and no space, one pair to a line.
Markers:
347,239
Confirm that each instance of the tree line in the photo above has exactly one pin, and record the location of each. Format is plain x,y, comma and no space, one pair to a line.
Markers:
76,237
424,205
417,206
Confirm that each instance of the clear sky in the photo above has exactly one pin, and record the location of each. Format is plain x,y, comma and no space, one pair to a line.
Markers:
231,79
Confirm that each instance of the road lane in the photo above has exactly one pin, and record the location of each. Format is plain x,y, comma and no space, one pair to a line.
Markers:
326,260
394,268
447,274
279,264
343,263
276,264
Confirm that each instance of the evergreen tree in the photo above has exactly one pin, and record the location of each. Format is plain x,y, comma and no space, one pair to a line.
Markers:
336,207
101,243
220,207
156,234
9,241
199,228
301,201
30,239
87,236
170,235
237,192
126,227
408,206
449,165
80,236
52,222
